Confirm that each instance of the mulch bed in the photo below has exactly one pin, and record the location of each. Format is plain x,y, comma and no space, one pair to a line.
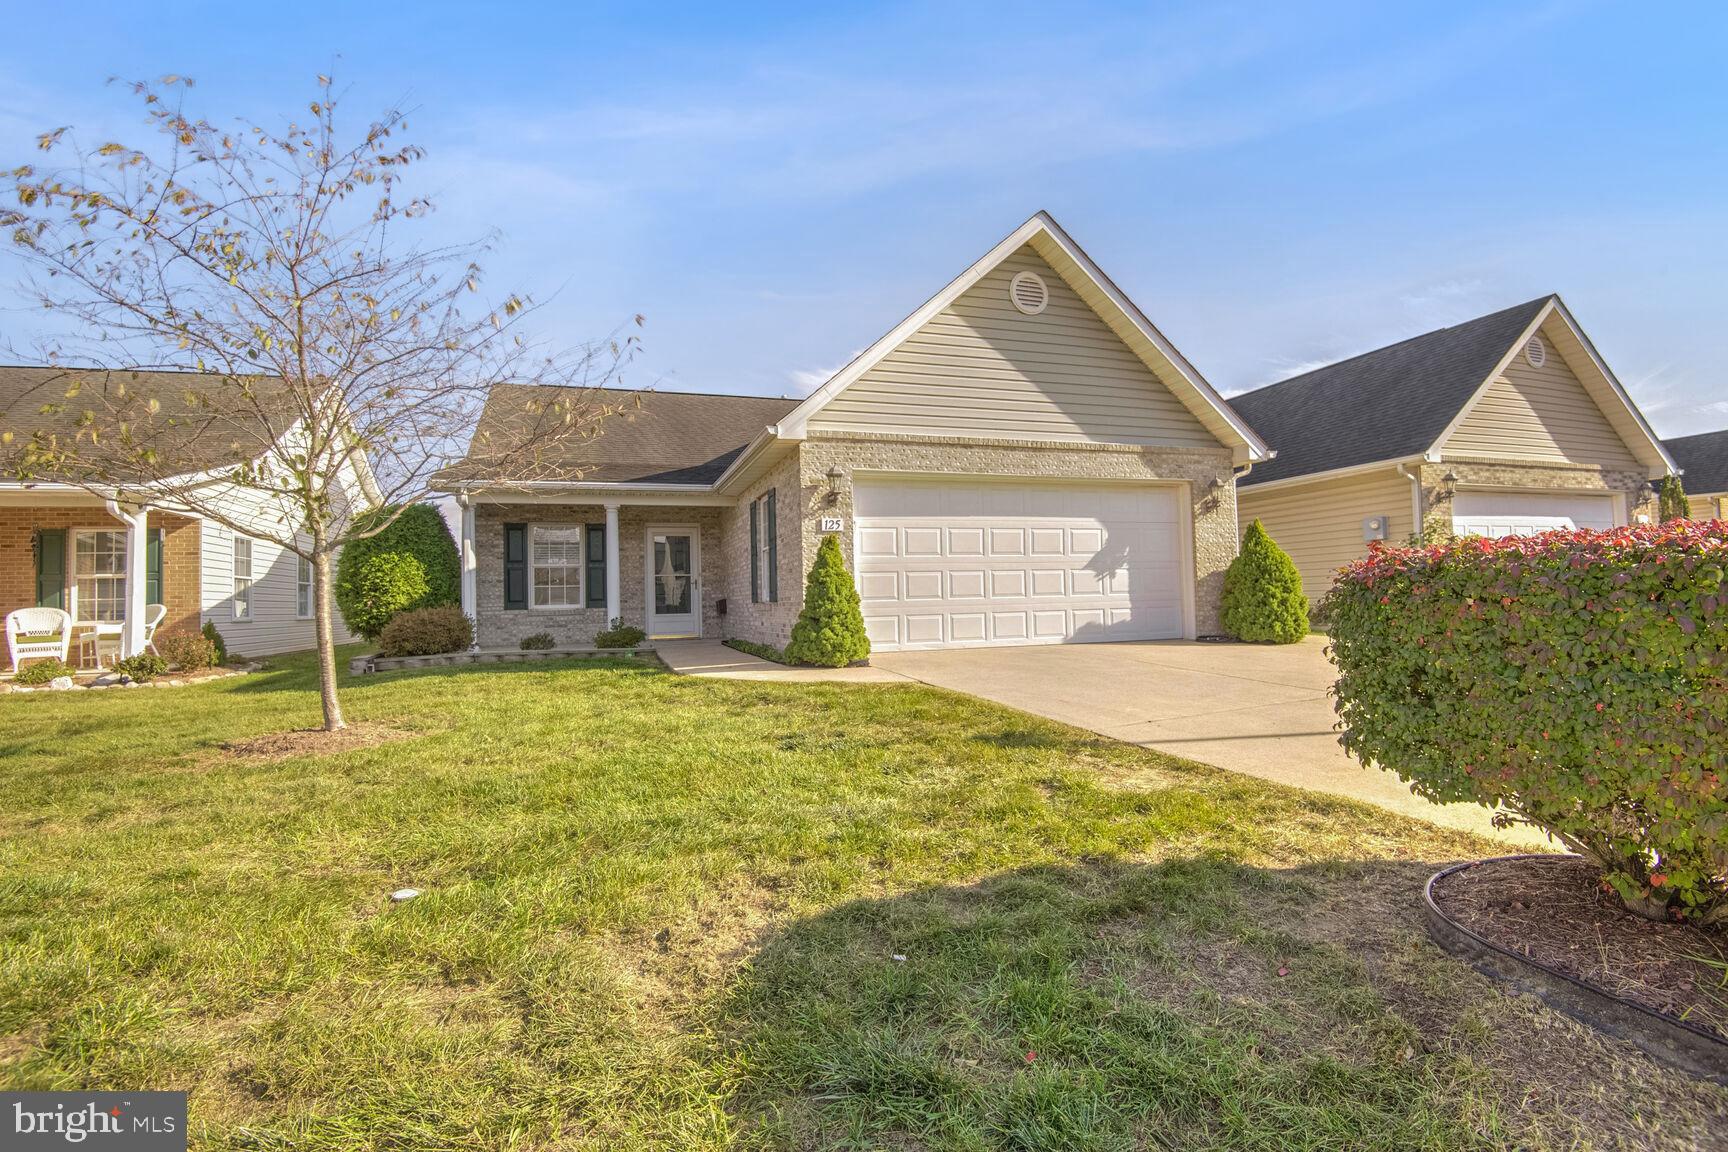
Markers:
313,741
1555,911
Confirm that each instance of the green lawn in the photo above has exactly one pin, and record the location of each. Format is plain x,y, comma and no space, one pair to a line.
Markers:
679,913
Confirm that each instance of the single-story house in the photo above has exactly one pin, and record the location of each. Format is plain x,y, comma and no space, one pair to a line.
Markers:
1509,424
103,557
1703,461
1023,459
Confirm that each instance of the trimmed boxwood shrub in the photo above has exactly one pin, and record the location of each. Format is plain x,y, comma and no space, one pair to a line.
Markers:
830,628
1577,679
41,671
1263,597
374,580
427,632
619,635
144,667
372,593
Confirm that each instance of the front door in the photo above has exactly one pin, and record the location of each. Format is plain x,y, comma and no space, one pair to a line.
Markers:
674,593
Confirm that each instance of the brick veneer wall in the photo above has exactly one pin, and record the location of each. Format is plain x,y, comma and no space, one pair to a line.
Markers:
1214,544
180,557
1437,504
497,627
765,622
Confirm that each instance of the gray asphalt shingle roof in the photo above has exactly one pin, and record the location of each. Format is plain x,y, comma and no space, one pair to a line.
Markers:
43,402
1388,404
657,437
1704,461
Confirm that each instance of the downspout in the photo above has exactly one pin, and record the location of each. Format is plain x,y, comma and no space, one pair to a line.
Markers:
1415,501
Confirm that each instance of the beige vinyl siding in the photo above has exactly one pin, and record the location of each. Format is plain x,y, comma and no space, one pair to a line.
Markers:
1539,414
1705,507
1320,524
983,368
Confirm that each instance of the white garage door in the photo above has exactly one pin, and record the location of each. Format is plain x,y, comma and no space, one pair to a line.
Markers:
1527,513
957,563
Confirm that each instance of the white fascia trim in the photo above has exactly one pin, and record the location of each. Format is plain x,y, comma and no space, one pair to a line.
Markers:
1389,465
793,425
1557,307
772,434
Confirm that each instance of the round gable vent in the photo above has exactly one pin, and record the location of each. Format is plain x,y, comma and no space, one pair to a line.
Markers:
1029,292
1536,352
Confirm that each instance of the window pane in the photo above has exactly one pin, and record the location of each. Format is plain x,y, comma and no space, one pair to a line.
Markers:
556,563
99,576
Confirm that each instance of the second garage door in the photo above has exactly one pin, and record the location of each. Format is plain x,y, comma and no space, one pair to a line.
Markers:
1527,513
951,563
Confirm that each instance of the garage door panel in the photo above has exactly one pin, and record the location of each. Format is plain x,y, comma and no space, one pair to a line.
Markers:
966,627
966,585
965,541
921,542
922,585
1009,626
1007,541
874,586
1049,582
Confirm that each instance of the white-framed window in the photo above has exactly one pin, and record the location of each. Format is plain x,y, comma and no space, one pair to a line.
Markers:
303,588
555,565
99,576
242,577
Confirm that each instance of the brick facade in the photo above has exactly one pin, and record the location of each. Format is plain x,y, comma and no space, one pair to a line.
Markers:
498,627
1437,502
763,621
180,556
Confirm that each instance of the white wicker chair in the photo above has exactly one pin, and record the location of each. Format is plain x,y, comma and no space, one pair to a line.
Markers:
32,633
152,621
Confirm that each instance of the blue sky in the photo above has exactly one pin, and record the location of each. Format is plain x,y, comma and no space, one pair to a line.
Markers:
1276,185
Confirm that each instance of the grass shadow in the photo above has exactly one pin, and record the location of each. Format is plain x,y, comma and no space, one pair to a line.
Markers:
1191,1003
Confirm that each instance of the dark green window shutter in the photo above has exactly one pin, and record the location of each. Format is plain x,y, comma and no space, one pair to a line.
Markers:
515,565
773,550
51,568
594,546
755,576
153,568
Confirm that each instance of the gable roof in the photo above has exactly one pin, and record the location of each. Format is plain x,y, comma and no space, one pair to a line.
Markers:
1389,404
1704,461
653,437
1069,261
35,402
1404,400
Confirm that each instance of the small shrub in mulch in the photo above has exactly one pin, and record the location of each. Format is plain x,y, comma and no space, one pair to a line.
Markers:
1560,913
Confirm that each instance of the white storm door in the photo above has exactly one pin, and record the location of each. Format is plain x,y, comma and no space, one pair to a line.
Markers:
674,592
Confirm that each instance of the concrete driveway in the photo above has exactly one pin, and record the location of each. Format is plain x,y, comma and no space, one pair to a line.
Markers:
1257,709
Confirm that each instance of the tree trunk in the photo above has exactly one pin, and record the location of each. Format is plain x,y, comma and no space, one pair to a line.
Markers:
326,640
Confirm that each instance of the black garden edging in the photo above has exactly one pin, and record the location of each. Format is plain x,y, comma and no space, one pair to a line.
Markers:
1667,1038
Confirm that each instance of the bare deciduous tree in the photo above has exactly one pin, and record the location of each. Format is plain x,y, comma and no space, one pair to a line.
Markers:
315,350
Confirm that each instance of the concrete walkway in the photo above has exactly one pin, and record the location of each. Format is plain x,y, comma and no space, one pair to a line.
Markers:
1257,709
712,658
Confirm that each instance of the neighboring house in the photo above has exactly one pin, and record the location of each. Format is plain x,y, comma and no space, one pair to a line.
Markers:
1703,462
1508,424
103,560
1024,459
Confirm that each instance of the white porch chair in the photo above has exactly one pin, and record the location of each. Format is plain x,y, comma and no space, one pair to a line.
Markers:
153,620
32,633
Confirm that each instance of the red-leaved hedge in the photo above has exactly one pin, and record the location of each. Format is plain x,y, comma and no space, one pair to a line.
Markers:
1578,679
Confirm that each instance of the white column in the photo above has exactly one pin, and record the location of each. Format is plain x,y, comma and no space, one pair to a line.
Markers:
470,571
137,575
613,611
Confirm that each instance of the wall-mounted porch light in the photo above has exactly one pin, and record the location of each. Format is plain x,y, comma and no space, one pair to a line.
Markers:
1449,484
834,478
